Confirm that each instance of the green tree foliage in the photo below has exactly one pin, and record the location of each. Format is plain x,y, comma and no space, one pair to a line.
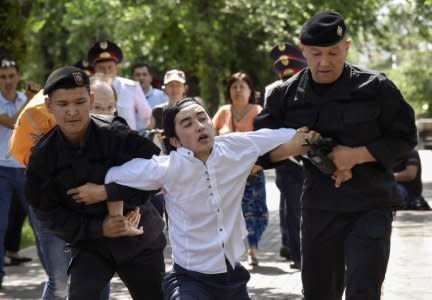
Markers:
405,50
13,16
208,39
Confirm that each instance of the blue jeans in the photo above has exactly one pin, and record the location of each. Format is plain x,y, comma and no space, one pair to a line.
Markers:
11,181
55,260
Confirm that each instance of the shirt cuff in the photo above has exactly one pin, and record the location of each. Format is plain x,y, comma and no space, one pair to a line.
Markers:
114,192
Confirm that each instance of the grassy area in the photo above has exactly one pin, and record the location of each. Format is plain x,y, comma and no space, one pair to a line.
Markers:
27,237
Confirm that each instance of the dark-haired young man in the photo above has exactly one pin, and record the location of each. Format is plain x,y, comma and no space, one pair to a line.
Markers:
81,149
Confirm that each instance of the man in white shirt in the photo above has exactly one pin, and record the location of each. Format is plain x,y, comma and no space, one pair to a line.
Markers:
204,180
132,105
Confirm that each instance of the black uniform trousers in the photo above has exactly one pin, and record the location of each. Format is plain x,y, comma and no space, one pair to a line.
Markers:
142,275
334,243
289,180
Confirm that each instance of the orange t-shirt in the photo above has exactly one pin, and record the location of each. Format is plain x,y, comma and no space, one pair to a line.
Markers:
223,120
32,123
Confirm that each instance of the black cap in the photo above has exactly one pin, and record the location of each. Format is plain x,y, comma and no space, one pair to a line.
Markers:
323,29
66,78
170,113
104,51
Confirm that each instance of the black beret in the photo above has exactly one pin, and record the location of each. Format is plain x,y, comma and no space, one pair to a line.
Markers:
104,51
66,78
323,29
170,113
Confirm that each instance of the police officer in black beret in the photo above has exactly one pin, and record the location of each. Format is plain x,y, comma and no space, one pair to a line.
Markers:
346,216
80,149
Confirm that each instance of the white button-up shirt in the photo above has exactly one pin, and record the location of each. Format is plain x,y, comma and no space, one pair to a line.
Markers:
203,200
132,103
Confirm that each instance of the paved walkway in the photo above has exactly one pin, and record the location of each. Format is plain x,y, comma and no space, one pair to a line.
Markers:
409,275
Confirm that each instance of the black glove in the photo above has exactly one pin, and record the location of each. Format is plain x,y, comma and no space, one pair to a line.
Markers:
318,154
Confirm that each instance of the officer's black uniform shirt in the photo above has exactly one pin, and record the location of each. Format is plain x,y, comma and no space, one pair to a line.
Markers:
56,166
361,108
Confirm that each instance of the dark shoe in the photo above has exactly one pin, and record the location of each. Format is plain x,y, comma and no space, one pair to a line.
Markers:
9,262
295,265
284,252
1,283
421,204
13,261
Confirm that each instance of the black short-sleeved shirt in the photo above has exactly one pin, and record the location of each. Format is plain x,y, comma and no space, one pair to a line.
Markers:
414,187
56,166
361,108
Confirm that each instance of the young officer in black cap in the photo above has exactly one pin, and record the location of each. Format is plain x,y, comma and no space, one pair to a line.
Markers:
81,149
346,217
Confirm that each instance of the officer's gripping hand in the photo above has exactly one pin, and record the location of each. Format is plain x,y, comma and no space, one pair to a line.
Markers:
115,226
344,158
88,193
341,176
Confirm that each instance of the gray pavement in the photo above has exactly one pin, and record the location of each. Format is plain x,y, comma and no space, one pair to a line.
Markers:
409,275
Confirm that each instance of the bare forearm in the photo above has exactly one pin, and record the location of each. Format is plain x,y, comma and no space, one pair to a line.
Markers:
406,175
285,151
115,208
295,146
7,121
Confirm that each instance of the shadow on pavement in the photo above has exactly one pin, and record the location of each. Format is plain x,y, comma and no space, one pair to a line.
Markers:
267,270
269,294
